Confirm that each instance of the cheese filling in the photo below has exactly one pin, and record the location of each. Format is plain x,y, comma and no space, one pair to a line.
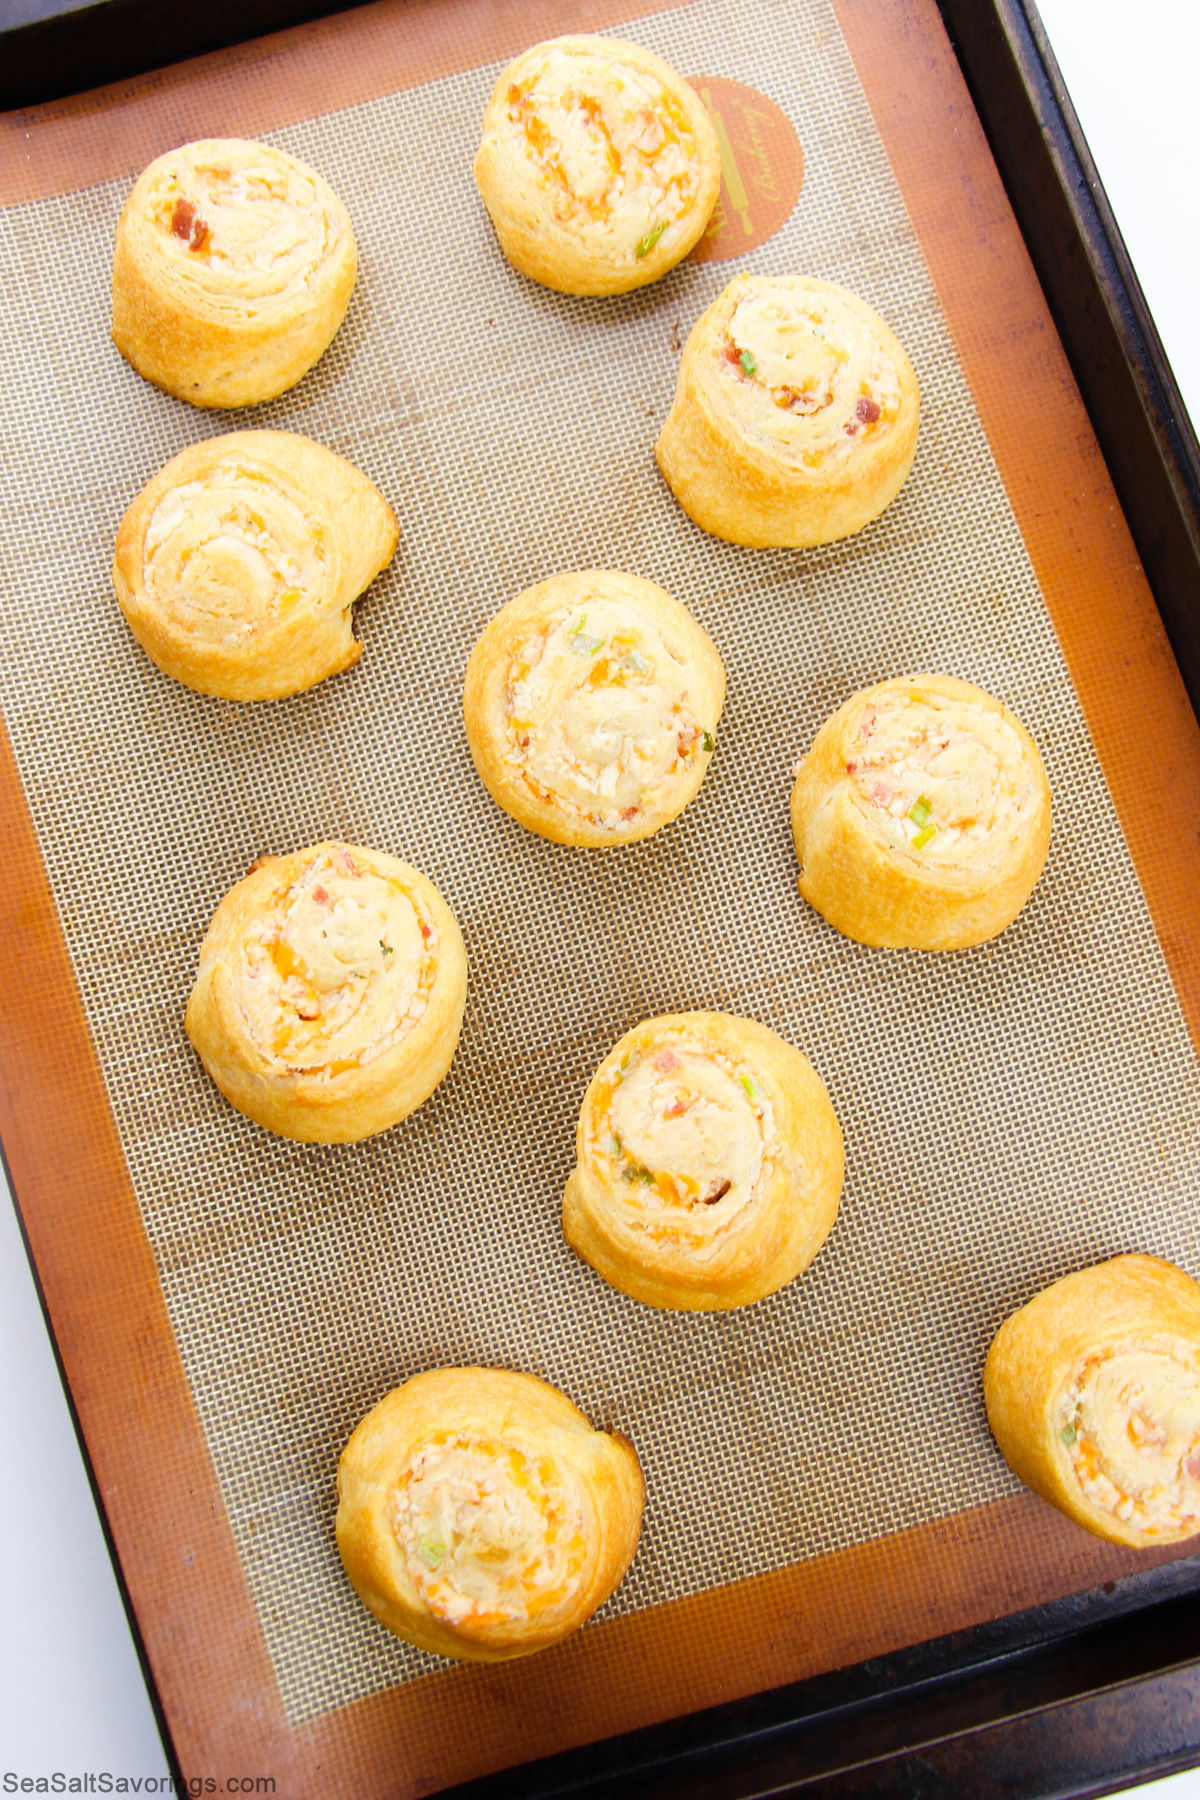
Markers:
226,556
687,1137
489,1532
609,146
1130,1422
250,231
808,376
946,780
338,970
600,721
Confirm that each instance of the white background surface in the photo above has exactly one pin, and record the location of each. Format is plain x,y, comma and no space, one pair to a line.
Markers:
71,1693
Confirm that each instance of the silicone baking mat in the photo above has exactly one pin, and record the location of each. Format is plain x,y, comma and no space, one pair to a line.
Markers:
1010,1113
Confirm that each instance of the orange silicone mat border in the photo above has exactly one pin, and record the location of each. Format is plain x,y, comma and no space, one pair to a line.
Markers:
152,1468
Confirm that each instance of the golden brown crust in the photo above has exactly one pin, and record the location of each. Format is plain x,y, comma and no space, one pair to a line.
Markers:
330,993
450,1573
709,1164
1093,1395
232,270
598,165
795,414
238,566
591,705
921,815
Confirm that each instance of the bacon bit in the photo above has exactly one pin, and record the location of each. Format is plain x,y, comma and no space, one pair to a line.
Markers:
629,812
850,768
187,224
851,429
320,896
868,410
711,1199
666,1062
675,1109
732,354
524,742
426,932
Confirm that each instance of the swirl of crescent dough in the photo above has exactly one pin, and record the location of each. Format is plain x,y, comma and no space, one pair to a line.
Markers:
709,1164
795,414
591,704
1093,1395
921,815
481,1516
238,566
598,165
330,993
232,270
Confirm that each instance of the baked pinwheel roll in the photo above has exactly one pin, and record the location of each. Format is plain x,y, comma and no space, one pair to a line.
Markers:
330,993
795,414
921,815
481,1516
1093,1395
232,270
239,565
598,165
709,1164
591,705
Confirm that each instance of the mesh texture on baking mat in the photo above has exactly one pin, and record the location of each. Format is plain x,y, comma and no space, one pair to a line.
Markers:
1010,1113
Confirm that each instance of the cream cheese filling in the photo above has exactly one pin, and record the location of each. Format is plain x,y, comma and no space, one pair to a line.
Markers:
688,1137
600,718
258,229
1130,1421
808,376
954,766
611,148
338,970
228,554
489,1532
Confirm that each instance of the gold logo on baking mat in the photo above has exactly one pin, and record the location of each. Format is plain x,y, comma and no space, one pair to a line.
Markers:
762,168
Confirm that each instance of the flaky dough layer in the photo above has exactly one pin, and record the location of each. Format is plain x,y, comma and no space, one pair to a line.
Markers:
709,1164
795,415
232,270
481,1516
238,566
921,815
591,705
330,993
1093,1395
598,165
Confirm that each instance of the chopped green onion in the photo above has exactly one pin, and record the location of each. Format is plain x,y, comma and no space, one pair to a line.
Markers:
919,811
708,742
633,659
1067,1434
748,361
642,1175
581,645
431,1551
614,1146
386,948
751,1086
646,244
923,837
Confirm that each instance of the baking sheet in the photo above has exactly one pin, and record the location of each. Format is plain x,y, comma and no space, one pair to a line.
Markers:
1010,1112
